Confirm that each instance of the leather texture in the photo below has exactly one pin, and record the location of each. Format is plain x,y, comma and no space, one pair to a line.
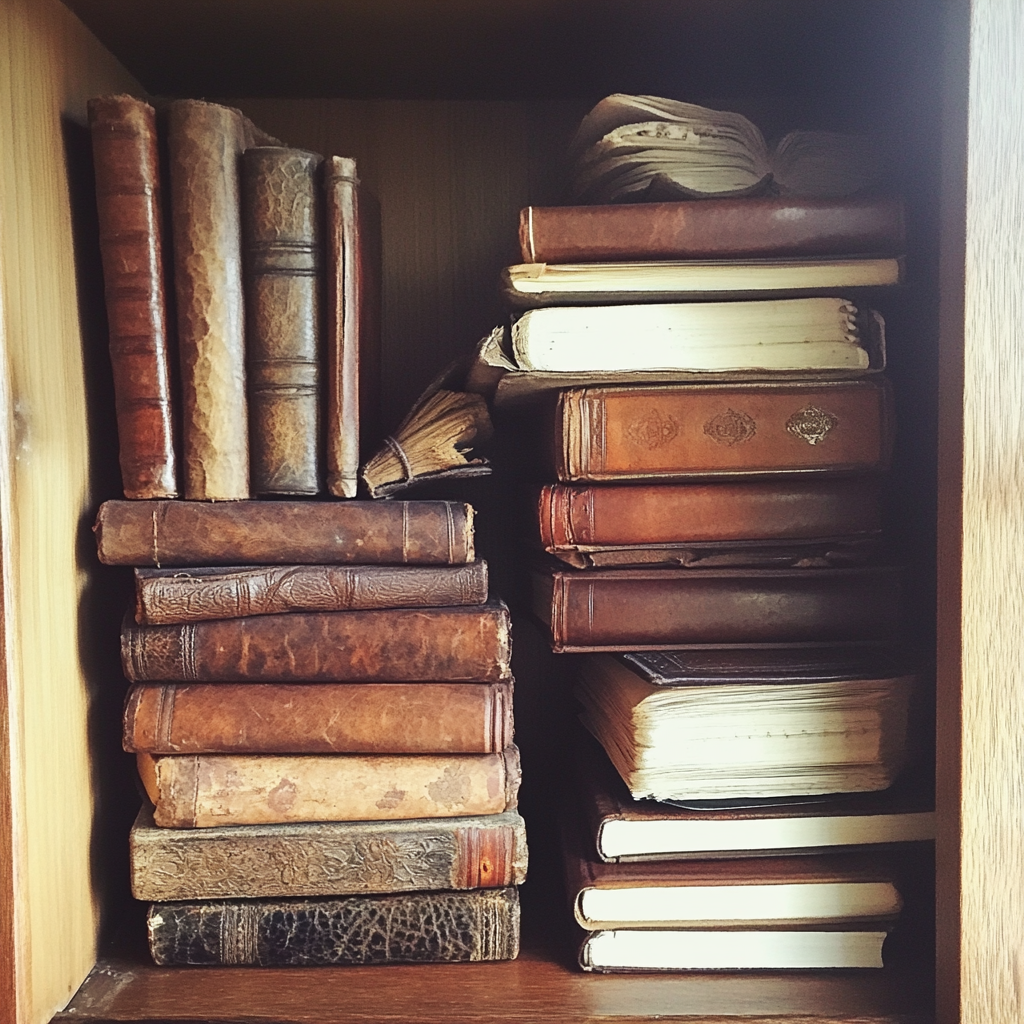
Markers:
442,927
284,533
462,644
167,596
712,229
129,207
281,216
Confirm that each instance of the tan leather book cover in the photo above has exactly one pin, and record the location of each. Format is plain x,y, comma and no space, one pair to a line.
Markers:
129,204
197,791
318,718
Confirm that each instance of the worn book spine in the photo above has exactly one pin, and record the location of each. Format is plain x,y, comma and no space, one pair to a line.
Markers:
168,596
284,532
436,927
318,718
463,644
128,205
281,259
327,858
200,790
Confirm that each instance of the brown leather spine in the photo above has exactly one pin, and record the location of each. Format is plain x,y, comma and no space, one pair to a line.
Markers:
469,644
281,253
318,718
285,532
690,431
167,596
712,229
128,204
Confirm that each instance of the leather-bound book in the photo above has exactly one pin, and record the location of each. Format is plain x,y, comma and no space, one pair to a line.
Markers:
284,533
200,790
167,596
429,927
689,432
283,317
129,208
206,143
750,227
318,718
468,644
353,257
326,858
661,609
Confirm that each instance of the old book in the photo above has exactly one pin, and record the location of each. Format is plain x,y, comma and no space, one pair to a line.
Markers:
206,141
200,790
353,261
281,215
462,644
168,596
326,858
689,432
432,927
318,718
284,533
714,229
129,205
709,524
663,609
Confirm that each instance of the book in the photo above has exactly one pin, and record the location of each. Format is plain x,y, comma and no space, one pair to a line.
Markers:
705,525
206,141
714,229
535,285
200,790
318,718
461,644
725,740
281,215
666,608
168,596
353,257
430,927
129,206
284,533
325,858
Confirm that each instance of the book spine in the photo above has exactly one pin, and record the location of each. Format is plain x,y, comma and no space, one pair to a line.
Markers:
203,790
173,596
281,247
318,718
467,644
440,927
128,205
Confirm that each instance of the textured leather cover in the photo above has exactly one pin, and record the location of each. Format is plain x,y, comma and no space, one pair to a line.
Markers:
353,258
281,218
318,718
682,432
435,927
326,858
284,532
167,596
712,229
468,644
637,609
128,204
197,791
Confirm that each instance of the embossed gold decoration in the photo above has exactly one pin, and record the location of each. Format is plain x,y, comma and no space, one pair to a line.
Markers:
812,424
730,427
653,430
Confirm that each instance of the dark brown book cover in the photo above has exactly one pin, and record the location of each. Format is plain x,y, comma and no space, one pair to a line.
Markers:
469,644
167,596
129,207
318,718
712,229
661,609
281,215
162,533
